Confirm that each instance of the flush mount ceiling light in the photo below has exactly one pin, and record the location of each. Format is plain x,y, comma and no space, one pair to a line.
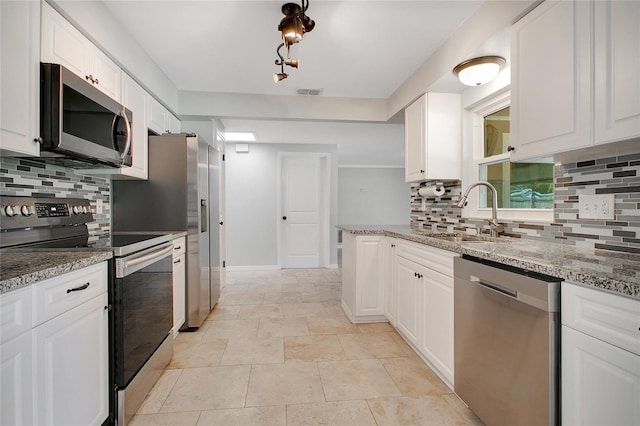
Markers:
293,27
478,71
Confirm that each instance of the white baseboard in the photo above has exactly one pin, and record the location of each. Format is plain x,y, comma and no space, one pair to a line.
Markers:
332,266
253,268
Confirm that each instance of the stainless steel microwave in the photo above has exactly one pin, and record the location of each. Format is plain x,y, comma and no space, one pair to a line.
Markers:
80,126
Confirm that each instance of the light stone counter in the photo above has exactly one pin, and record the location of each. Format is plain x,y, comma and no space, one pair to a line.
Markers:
24,267
607,270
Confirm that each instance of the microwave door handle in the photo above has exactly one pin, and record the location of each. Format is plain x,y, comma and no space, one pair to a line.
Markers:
127,126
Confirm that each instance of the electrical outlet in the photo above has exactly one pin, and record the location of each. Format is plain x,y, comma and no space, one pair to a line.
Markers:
601,206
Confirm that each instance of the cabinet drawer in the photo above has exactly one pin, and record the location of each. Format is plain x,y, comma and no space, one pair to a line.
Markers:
433,258
15,313
608,317
53,297
179,246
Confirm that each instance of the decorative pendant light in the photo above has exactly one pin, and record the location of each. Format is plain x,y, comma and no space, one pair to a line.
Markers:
479,71
293,27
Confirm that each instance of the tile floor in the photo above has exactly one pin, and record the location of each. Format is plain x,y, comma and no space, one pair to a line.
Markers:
278,350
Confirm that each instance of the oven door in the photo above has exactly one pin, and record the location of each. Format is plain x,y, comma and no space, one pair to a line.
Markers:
143,308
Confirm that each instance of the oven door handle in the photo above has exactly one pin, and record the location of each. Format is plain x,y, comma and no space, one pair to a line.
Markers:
133,263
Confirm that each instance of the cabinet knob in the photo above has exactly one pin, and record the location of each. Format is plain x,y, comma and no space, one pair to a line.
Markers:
421,171
37,140
511,148
284,218
221,223
96,81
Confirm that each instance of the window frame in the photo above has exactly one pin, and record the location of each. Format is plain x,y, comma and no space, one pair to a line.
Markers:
476,115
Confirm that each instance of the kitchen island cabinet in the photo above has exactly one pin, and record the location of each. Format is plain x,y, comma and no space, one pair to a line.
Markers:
20,78
600,357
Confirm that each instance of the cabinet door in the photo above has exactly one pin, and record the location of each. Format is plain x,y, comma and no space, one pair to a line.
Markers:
156,115
407,294
19,77
437,322
106,74
414,141
173,126
551,79
63,44
71,366
600,382
369,275
617,85
179,289
134,97
16,381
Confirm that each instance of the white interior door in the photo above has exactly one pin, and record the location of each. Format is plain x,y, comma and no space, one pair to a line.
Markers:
301,211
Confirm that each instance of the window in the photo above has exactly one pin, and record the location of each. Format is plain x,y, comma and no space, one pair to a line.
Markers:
524,190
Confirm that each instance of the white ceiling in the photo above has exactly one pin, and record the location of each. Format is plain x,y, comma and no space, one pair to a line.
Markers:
359,48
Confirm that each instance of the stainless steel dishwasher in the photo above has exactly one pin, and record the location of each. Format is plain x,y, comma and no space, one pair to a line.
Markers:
506,343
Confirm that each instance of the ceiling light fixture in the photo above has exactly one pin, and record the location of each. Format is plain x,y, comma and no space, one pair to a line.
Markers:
478,71
293,27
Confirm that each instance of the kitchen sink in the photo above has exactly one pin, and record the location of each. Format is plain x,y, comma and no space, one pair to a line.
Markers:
467,238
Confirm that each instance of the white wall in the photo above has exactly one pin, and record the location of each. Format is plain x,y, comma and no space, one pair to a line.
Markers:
373,196
251,203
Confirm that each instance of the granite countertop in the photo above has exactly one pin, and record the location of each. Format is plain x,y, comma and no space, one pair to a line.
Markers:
21,268
607,270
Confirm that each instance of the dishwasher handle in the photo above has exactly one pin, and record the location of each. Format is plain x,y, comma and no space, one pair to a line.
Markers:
495,287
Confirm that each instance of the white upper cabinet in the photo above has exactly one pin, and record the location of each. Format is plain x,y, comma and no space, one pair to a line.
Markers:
433,137
159,119
63,44
550,79
574,76
617,71
19,77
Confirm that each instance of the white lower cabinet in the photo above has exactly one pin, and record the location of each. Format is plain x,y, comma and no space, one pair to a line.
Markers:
600,358
54,351
363,273
390,294
407,289
179,283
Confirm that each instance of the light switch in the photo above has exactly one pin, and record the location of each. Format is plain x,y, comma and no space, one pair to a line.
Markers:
601,206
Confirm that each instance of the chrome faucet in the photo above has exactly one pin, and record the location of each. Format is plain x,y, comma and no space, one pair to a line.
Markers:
496,228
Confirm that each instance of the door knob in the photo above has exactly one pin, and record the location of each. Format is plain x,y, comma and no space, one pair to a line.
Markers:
284,218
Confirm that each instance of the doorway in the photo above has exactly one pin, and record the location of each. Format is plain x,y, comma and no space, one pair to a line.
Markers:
303,203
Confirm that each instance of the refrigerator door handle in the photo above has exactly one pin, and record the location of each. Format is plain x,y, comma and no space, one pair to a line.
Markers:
203,215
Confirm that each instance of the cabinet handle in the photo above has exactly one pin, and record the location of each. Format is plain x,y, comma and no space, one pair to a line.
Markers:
79,288
37,140
177,261
177,248
107,308
90,78
511,148
96,81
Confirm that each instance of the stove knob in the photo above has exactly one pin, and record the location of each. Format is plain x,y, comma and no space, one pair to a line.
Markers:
26,210
85,209
75,210
11,210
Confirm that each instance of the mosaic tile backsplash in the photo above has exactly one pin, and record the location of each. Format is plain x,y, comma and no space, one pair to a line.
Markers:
612,175
22,177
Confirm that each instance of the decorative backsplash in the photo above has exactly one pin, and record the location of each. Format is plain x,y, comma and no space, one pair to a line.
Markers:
612,175
19,176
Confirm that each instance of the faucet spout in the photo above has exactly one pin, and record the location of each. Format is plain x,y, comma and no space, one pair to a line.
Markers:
496,227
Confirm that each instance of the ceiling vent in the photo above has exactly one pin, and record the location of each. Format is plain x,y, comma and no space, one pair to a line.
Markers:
310,92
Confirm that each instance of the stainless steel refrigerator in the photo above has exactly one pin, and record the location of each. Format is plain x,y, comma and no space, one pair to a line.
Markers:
181,194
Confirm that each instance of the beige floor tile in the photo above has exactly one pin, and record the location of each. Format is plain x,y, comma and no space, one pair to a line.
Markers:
241,350
166,419
203,353
257,416
234,288
331,325
231,328
356,379
260,311
266,286
376,327
288,383
413,377
299,287
209,389
224,313
246,298
334,309
464,411
158,394
279,327
337,413
282,297
426,410
313,348
292,310
321,295
370,345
